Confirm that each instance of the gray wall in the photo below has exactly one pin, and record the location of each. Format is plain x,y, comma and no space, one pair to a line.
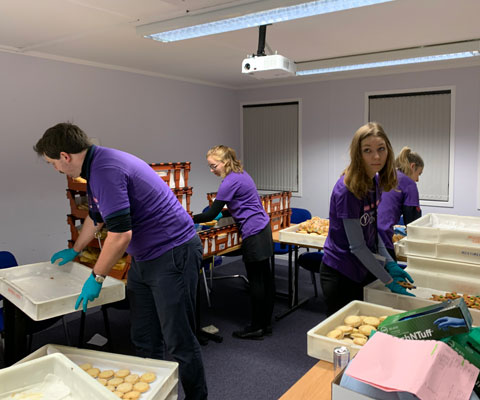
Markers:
333,110
158,120
162,120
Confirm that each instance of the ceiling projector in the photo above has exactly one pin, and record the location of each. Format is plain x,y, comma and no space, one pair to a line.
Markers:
268,67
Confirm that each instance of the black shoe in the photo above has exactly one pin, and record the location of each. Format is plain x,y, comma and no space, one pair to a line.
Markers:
249,333
267,331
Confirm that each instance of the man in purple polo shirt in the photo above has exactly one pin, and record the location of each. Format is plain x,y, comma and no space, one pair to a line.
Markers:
144,218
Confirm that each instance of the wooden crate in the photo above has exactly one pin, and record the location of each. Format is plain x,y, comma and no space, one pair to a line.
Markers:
118,271
184,196
217,240
74,185
76,199
175,174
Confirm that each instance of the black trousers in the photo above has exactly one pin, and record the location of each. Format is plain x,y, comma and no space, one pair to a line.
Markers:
262,292
338,290
162,294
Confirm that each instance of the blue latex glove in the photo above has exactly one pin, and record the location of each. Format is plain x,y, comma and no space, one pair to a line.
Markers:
397,273
401,230
396,288
90,291
449,322
66,255
220,215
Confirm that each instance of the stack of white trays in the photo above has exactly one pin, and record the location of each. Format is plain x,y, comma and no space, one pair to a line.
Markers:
443,255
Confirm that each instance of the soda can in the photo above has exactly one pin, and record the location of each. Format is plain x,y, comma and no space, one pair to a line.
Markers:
341,357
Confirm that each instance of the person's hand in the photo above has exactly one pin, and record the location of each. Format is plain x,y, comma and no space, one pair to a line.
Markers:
449,322
397,273
220,215
90,291
66,255
396,288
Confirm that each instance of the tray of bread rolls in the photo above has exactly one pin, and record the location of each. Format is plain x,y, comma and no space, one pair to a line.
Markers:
52,377
128,377
312,232
45,290
350,326
434,280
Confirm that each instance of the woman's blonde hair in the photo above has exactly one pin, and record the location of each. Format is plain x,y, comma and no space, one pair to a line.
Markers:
227,156
356,178
406,158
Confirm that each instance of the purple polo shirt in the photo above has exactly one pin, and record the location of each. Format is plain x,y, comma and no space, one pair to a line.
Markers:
390,209
238,190
118,181
344,205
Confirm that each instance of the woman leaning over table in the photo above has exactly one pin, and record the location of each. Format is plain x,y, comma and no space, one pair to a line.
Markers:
353,245
239,193
403,200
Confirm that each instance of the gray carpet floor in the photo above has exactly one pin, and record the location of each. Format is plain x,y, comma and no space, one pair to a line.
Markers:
235,368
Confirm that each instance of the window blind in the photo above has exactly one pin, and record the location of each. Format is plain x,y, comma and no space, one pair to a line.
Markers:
270,145
420,121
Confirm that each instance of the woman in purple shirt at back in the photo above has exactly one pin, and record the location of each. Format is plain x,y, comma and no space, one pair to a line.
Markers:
404,200
239,193
354,254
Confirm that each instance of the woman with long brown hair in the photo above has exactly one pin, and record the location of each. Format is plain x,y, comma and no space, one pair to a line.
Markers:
352,246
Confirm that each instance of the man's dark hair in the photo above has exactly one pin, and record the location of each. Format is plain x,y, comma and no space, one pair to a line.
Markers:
64,137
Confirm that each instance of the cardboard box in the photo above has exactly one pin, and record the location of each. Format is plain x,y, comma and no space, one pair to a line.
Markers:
342,393
46,290
468,346
432,276
21,377
420,324
320,346
164,387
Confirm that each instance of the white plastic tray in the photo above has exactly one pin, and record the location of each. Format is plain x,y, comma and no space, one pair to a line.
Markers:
401,247
21,377
164,387
289,235
448,229
46,290
443,251
321,347
431,277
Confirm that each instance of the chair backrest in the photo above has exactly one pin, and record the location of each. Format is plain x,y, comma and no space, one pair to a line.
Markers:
300,215
7,260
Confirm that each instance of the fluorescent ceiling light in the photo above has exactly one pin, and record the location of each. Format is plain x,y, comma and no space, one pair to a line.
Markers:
380,64
423,54
219,22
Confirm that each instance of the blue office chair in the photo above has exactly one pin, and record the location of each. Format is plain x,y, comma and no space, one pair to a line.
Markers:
299,215
7,260
311,262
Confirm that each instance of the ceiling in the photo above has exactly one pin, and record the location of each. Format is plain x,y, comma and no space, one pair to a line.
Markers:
103,33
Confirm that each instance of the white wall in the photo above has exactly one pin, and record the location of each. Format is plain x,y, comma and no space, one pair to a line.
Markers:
333,110
158,120
162,120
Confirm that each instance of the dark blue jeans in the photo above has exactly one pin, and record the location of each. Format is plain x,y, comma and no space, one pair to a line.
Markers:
162,295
